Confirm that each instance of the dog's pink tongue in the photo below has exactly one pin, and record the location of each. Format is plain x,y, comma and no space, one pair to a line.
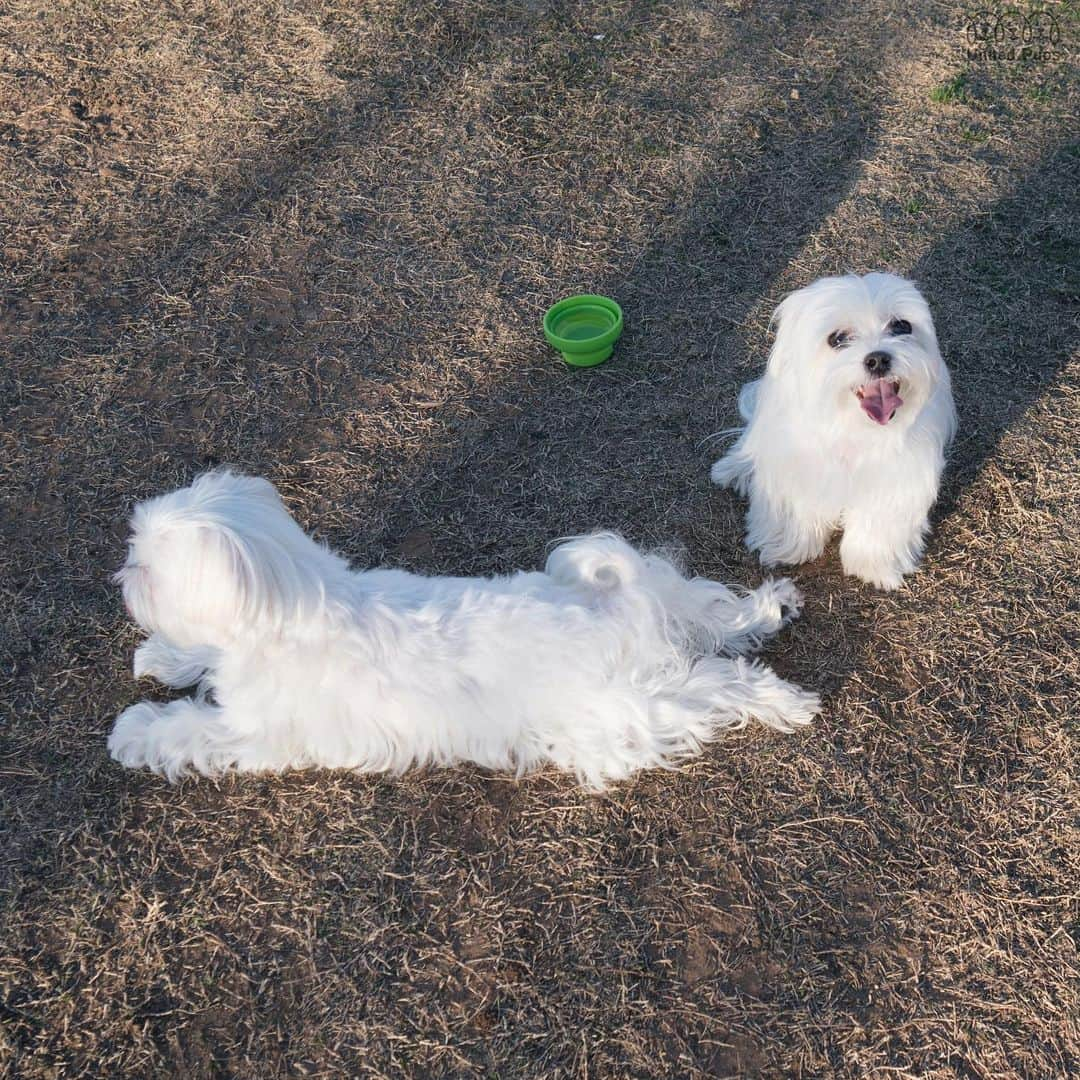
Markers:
880,400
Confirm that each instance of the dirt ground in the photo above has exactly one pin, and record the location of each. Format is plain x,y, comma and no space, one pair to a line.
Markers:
315,239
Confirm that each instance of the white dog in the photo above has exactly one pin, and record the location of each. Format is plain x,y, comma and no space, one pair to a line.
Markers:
602,664
847,429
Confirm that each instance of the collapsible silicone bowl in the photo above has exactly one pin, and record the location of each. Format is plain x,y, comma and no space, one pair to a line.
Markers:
584,328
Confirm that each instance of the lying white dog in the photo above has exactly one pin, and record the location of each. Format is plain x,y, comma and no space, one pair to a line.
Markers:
847,429
602,664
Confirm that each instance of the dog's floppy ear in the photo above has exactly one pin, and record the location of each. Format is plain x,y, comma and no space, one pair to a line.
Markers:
216,558
785,325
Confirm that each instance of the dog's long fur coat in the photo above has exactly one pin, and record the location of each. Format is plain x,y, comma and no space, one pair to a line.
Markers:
604,663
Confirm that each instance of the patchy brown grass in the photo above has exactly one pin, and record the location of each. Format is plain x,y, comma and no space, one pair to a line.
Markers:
315,240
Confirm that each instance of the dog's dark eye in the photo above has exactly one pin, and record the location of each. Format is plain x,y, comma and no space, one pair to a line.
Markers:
839,338
899,327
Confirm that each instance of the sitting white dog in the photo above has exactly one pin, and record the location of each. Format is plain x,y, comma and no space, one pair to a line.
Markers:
602,664
847,429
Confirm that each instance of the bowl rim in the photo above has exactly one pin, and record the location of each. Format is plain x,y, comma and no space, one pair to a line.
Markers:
579,345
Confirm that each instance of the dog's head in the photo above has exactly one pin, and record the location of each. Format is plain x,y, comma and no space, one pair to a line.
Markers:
217,559
858,351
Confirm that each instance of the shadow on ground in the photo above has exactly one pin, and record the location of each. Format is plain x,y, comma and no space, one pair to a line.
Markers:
355,314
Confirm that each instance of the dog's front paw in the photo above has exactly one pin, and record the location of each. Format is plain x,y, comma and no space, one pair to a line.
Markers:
149,658
156,658
881,573
129,743
886,580
881,562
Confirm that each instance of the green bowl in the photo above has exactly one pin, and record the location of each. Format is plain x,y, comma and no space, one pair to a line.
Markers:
584,329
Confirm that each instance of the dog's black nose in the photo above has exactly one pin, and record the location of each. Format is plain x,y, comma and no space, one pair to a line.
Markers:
877,363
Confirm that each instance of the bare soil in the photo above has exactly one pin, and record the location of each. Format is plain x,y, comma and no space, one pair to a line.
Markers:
314,240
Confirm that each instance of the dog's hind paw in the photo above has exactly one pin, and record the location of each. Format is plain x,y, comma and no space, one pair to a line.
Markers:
789,597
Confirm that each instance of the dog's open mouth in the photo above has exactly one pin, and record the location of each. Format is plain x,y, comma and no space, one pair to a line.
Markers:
880,399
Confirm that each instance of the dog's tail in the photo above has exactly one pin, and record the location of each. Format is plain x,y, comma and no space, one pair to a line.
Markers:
602,561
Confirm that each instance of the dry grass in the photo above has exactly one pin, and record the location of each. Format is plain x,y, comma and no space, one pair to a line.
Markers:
315,240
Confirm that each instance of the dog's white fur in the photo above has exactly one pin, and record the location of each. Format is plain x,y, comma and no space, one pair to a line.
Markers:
603,664
812,460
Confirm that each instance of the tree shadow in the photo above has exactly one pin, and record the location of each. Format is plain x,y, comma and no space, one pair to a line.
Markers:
99,282
551,451
541,451
547,450
1003,288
